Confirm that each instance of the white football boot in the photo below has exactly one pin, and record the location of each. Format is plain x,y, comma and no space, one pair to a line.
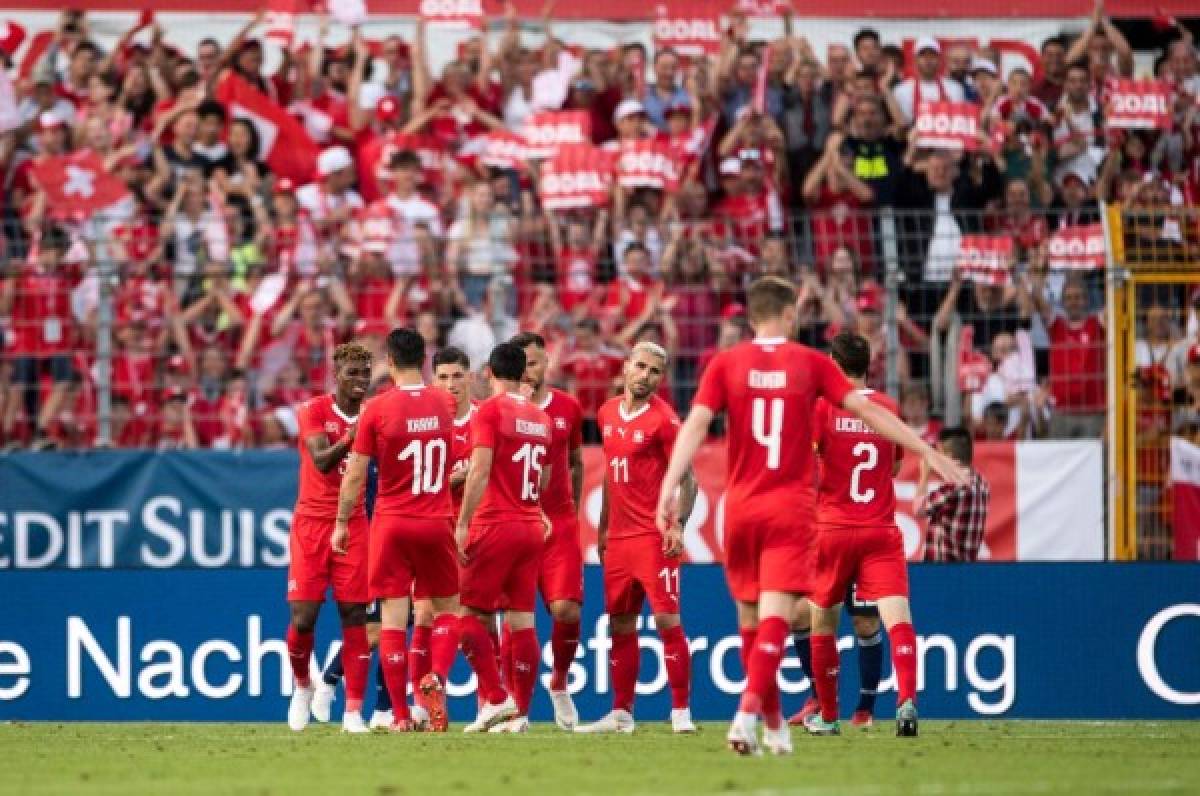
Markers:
681,721
565,714
743,734
490,715
300,708
352,722
617,721
322,701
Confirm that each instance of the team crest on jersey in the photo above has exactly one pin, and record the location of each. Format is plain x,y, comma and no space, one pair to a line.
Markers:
638,437
331,427
607,430
560,423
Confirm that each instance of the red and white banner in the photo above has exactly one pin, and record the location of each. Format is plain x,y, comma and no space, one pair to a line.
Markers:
948,125
986,258
1077,248
78,182
501,149
691,29
647,164
286,146
10,117
1033,486
349,12
579,176
452,13
279,23
1185,498
547,131
1139,105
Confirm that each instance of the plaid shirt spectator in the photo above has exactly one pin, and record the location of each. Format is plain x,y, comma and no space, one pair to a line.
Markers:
957,516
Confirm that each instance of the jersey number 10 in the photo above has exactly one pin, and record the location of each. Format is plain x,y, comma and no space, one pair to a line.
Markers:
429,465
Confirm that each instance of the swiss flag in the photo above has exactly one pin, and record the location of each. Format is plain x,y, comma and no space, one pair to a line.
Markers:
79,181
286,146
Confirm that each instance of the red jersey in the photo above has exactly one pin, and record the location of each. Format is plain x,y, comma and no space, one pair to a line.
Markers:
593,373
769,389
566,433
408,431
518,434
1077,364
460,454
42,323
637,448
318,495
855,485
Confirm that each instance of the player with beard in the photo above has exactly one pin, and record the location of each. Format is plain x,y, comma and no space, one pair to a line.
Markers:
640,562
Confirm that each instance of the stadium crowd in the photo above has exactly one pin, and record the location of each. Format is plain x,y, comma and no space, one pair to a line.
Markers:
237,277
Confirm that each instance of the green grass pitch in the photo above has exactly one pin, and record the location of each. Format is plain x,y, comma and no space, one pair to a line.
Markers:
965,757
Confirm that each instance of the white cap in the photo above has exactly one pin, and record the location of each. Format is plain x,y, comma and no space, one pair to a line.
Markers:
983,65
333,159
731,167
627,107
369,95
928,43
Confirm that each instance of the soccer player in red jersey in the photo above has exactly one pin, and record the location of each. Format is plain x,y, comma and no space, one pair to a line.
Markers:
451,372
501,532
561,578
769,387
639,429
408,431
327,427
858,542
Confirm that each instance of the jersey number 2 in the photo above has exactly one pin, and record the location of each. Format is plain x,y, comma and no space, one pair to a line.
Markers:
870,458
531,456
429,465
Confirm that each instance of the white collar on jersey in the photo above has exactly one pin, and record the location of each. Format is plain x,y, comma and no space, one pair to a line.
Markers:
865,391
413,387
337,410
636,412
770,340
459,422
517,396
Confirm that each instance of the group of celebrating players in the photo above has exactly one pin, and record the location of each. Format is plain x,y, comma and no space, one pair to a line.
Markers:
476,513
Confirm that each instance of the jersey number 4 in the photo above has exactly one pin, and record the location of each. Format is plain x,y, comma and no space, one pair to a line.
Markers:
429,465
530,456
768,434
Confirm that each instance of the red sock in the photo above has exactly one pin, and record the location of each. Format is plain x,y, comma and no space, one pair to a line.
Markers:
678,660
444,645
825,674
904,660
764,664
418,653
525,667
393,657
748,635
506,659
623,662
564,640
477,646
300,647
356,662
497,645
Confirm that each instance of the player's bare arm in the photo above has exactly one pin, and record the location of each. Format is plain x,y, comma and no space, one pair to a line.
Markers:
602,525
459,478
576,463
691,435
353,482
477,477
543,485
895,429
326,456
673,536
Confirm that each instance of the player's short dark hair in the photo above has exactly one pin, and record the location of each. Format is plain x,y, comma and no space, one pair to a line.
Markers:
404,159
55,237
997,410
406,348
852,353
636,246
351,352
767,298
452,355
1058,39
866,33
507,362
211,108
958,443
1080,64
526,339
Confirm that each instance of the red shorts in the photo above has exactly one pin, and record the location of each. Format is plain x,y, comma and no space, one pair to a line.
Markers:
767,555
313,566
412,556
561,577
634,569
502,566
872,558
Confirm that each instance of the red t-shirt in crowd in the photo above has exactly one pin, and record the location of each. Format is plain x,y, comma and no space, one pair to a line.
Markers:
838,219
1077,364
41,319
593,372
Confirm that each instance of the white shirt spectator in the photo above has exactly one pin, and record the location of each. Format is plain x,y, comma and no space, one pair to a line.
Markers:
404,254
